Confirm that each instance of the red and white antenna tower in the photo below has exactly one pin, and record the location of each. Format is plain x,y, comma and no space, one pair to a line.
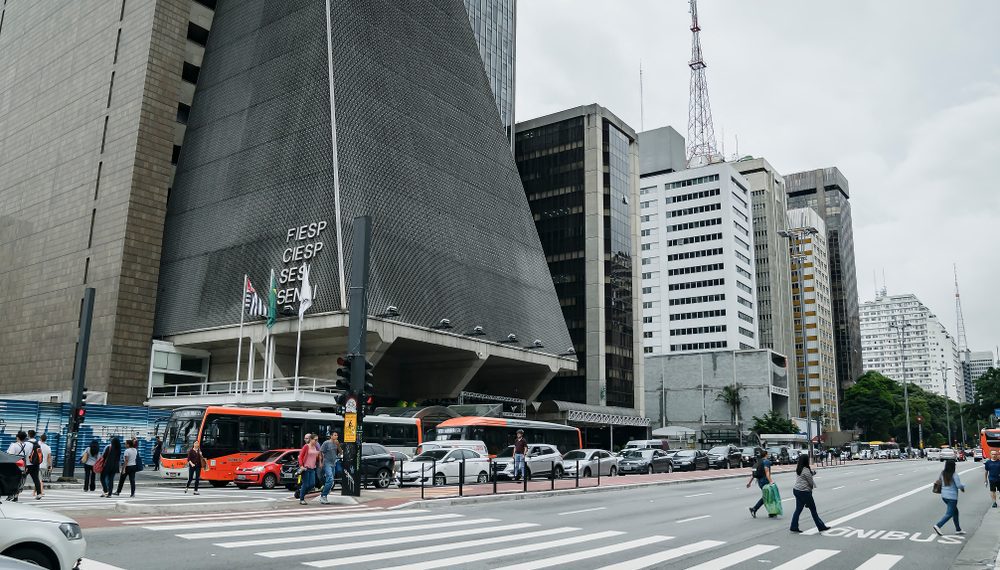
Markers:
701,144
960,320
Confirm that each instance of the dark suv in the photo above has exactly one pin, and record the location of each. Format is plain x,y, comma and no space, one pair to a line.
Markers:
725,457
377,466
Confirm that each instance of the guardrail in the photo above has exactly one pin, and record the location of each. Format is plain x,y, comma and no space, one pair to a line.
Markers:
257,386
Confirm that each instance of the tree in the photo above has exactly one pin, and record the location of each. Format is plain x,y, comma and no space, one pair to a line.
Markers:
771,422
732,396
870,407
987,396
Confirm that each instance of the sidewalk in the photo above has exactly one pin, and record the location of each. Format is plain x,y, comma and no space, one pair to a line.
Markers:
980,551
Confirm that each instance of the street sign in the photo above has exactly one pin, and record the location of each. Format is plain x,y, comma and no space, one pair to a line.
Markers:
350,427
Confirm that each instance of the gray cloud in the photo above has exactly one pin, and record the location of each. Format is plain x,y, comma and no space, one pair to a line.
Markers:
903,96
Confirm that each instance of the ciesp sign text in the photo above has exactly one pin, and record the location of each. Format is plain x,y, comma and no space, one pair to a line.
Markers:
302,244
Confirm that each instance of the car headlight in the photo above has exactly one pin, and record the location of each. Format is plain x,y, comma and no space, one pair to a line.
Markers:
71,530
258,469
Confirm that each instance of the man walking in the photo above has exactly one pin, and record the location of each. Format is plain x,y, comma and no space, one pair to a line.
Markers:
520,447
46,459
34,463
157,451
992,476
330,450
761,474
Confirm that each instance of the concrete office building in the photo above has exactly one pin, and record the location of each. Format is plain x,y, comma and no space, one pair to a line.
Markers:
218,89
974,364
812,312
919,353
580,170
698,286
494,23
826,191
683,389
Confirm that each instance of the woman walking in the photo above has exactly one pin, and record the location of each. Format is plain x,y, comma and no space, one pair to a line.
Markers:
89,458
762,476
803,490
129,467
309,459
112,455
950,484
195,463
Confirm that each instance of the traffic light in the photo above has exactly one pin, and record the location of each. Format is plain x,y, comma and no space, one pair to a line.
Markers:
344,372
78,416
369,388
368,403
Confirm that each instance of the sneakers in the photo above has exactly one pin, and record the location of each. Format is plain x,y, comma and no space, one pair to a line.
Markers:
959,532
795,530
994,505
937,529
324,501
753,513
302,502
824,529
195,493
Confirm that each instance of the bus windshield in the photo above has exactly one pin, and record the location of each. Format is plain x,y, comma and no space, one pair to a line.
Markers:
181,433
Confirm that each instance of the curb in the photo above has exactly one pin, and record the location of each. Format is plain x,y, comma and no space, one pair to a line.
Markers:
517,496
980,551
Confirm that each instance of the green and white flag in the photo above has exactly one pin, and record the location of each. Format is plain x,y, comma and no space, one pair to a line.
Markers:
272,301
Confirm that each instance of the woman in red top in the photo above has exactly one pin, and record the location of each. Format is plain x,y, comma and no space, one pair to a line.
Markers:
309,461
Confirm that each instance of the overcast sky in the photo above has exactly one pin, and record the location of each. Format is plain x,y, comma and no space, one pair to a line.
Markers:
903,96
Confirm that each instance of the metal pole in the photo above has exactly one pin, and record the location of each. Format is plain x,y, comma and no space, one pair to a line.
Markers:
357,332
79,381
900,327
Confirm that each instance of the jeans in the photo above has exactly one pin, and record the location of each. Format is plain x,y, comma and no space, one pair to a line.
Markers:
130,473
951,513
330,471
89,478
108,479
804,499
760,502
308,483
32,471
518,465
193,473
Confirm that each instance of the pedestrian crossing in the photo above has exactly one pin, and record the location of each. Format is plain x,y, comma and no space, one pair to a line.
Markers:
367,537
78,500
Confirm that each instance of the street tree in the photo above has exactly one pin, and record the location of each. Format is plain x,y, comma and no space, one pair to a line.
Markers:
771,422
732,396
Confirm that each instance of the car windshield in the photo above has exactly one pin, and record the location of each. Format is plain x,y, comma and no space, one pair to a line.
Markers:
431,455
507,452
685,453
573,455
267,456
637,453
748,451
719,450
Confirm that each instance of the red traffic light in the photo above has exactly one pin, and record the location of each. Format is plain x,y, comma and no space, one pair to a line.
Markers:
369,400
342,361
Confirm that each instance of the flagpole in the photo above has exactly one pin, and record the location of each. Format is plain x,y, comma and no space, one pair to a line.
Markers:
298,349
239,349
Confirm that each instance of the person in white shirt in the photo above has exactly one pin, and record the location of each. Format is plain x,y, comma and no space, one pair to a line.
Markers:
46,459
23,448
129,467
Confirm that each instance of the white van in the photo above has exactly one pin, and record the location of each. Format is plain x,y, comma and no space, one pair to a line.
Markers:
473,444
647,444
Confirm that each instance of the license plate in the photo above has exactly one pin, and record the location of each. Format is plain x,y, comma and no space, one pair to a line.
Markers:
171,475
241,477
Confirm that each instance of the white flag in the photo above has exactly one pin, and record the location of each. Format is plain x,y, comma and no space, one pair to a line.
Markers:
305,292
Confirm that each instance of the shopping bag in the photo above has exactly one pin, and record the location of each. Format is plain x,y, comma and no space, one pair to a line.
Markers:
772,499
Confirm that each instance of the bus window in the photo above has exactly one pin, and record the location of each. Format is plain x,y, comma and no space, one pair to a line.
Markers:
181,433
256,433
374,432
220,436
290,434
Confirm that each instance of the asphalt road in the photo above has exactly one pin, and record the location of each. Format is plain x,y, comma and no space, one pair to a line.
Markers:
881,517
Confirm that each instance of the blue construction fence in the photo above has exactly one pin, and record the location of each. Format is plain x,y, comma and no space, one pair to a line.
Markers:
101,423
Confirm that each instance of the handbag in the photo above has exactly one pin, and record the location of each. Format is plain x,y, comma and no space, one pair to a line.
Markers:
936,489
99,465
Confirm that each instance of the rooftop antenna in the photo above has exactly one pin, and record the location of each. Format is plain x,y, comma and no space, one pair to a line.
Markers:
701,134
959,319
642,111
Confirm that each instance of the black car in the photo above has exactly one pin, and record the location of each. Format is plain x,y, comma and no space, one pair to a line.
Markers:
690,460
645,461
377,466
749,455
725,457
11,474
779,455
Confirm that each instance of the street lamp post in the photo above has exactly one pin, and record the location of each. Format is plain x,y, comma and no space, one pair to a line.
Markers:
947,406
794,238
900,326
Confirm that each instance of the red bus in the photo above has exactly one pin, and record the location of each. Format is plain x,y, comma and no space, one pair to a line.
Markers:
231,436
989,440
498,433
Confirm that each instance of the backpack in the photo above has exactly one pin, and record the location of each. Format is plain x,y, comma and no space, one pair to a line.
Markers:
758,472
36,455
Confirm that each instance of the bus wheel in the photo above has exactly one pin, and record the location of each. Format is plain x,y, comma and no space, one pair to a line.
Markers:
219,484
270,481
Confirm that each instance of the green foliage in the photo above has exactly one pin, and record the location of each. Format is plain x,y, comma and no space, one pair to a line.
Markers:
732,396
869,406
771,422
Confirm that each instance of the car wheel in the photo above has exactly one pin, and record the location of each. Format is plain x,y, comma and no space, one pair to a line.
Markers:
586,472
33,555
613,471
242,486
670,467
270,481
219,484
483,477
383,478
440,480
649,470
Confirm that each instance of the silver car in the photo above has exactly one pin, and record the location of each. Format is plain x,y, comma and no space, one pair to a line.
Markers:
40,537
590,461
540,459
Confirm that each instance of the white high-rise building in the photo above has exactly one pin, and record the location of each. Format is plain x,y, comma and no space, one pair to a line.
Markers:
698,286
975,363
902,339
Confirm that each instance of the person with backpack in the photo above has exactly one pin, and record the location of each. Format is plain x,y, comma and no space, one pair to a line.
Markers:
762,475
89,459
948,484
108,464
803,490
129,467
34,463
23,448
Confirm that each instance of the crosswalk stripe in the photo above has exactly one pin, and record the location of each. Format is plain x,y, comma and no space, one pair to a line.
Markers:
154,518
735,558
437,549
660,557
585,554
807,560
342,535
880,562
311,527
337,547
514,550
260,521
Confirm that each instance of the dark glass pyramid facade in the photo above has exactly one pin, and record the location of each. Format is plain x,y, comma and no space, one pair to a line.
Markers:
421,149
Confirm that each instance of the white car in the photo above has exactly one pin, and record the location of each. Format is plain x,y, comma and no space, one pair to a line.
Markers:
947,453
590,461
541,460
41,537
443,466
933,454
